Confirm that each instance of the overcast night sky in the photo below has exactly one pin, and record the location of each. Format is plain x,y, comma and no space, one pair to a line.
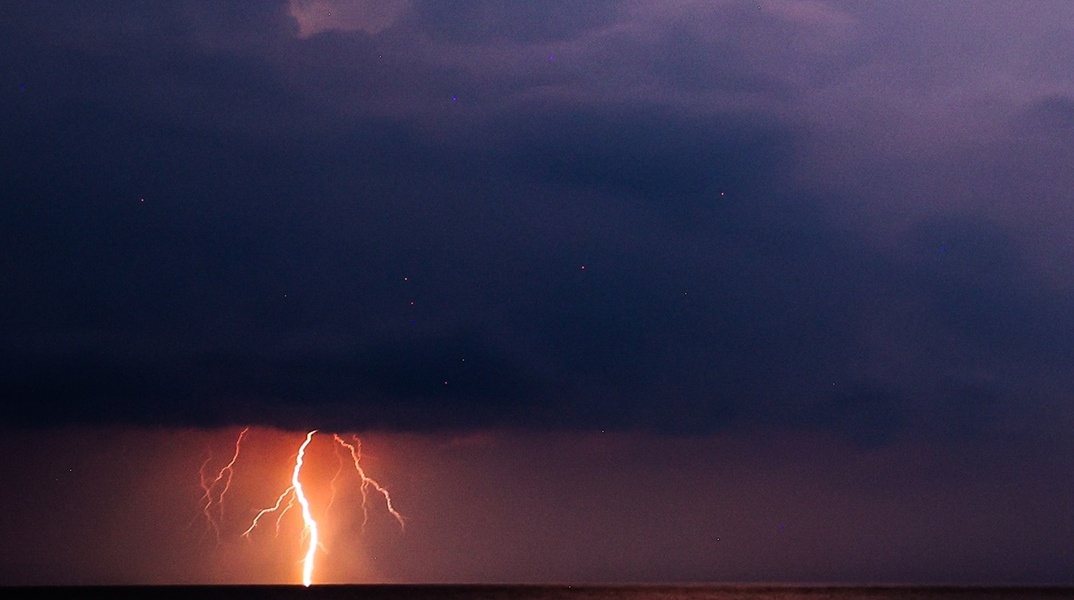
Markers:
665,290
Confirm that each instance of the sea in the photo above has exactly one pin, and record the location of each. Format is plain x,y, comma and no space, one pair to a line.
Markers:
548,592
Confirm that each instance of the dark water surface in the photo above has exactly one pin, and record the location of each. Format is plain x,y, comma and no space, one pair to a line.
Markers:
549,592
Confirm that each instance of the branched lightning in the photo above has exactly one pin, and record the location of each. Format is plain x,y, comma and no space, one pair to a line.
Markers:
335,480
221,481
295,493
367,482
279,501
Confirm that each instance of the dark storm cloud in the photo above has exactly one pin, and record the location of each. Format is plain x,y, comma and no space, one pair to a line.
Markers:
979,286
1054,112
644,153
215,220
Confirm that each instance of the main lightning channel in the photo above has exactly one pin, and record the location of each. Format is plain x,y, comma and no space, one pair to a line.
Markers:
307,517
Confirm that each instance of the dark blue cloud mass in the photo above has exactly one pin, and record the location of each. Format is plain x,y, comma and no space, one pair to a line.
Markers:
564,216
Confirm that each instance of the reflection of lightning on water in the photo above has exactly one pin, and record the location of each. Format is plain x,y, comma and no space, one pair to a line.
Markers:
294,493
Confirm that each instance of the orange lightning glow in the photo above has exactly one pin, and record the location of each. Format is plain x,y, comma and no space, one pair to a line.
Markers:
296,492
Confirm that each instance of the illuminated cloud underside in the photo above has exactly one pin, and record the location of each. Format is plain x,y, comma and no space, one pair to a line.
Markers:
369,16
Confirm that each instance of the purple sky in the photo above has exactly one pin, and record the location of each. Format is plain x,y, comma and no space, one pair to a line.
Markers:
617,291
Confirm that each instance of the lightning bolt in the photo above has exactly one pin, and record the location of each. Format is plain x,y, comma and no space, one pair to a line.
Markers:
296,493
307,518
222,481
367,482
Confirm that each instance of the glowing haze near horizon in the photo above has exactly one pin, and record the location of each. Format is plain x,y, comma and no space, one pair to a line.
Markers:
611,291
